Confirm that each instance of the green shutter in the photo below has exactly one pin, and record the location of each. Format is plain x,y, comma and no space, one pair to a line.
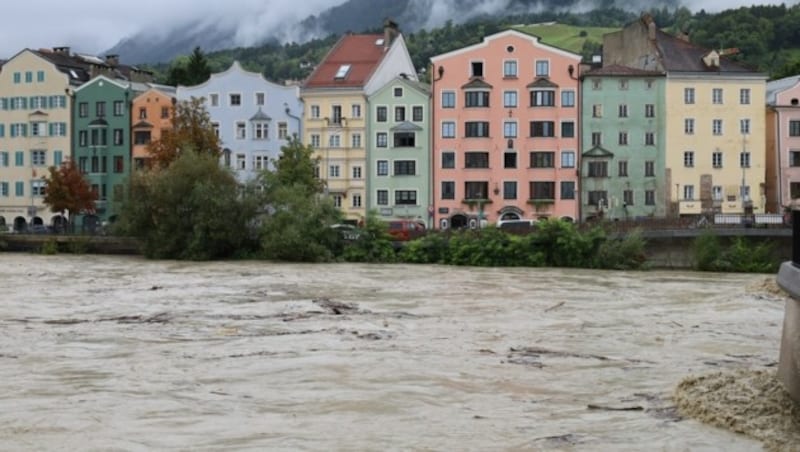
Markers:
57,157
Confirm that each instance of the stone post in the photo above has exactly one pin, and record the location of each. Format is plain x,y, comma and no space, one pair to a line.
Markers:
789,280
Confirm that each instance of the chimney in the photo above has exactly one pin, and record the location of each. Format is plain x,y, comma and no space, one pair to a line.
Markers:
61,50
112,60
390,32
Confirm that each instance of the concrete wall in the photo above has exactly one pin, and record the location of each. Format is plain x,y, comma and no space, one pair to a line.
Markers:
789,363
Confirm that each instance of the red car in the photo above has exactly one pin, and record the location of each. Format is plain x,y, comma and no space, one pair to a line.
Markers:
405,230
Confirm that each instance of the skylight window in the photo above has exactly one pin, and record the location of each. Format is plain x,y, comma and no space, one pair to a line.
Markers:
342,72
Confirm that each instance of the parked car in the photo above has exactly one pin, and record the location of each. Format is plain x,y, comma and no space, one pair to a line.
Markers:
38,229
516,226
405,230
347,232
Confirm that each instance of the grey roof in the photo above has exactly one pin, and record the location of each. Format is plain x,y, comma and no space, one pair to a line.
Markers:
142,125
78,67
476,82
542,82
406,126
776,86
260,116
679,55
620,70
598,151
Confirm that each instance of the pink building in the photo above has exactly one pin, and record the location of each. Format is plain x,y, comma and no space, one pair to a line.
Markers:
783,143
505,132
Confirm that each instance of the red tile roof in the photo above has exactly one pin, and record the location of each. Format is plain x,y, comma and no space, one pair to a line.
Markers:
362,52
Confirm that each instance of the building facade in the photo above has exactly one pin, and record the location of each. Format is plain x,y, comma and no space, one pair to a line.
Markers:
335,101
623,139
398,179
715,121
151,114
783,144
34,135
505,132
253,117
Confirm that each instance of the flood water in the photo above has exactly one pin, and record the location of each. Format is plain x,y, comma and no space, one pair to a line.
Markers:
121,353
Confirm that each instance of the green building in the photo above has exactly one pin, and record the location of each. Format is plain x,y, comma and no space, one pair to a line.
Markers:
398,151
102,143
623,144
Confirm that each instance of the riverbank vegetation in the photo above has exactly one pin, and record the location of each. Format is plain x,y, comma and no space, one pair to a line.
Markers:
740,255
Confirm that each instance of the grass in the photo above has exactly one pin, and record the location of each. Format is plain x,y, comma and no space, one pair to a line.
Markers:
567,37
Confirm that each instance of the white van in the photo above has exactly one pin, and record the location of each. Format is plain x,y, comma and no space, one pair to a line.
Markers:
519,225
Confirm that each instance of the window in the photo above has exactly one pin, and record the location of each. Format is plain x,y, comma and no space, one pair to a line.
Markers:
744,96
567,159
542,129
142,113
509,129
416,113
448,190
315,111
716,95
649,138
356,201
241,130
476,190
119,108
28,77
235,100
95,164
405,197
794,190
38,158
355,141
567,98
597,138
622,168
623,111
509,160
623,84
40,76
38,187
716,127
382,139
649,111
510,68
333,171
259,162
543,190
83,138
141,137
649,197
118,137
542,68
597,111
355,110
716,192
543,98
399,114
397,91
215,126
623,138
688,126
597,84
315,140
334,141
688,95
688,192
649,168
567,190
37,129
337,201
476,99
509,190
58,156
342,72
598,169
405,168
17,77
19,158
83,164
259,98
381,114
794,158
476,160
510,99
382,197
448,99
283,131
716,159
627,197
164,112
744,126
542,159
448,160
794,128
336,114
4,189
356,172
83,109
19,188
383,167
597,198
214,99
119,164
260,131
568,129
744,159
477,68
688,159
476,129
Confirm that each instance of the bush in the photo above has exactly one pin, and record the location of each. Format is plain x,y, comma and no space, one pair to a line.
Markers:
741,255
49,247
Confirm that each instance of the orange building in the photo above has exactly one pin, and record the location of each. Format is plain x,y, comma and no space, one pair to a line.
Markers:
151,113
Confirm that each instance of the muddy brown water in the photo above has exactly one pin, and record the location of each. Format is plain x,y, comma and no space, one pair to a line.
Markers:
121,353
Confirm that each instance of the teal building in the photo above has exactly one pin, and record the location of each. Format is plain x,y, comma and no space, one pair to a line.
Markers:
622,168
398,151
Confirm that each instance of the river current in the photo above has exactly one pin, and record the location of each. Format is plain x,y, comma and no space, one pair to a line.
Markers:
121,353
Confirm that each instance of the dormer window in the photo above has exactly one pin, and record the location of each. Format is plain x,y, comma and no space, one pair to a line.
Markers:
342,72
477,68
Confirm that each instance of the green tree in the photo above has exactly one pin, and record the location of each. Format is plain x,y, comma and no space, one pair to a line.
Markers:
68,191
193,209
190,71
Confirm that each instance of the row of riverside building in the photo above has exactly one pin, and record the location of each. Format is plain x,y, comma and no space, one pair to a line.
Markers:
508,128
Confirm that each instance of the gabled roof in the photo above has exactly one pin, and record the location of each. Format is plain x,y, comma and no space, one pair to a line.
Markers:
542,82
620,70
350,63
598,151
776,86
476,83
260,116
679,55
534,40
79,67
406,126
142,125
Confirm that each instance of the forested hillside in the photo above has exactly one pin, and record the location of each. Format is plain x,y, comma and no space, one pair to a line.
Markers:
768,38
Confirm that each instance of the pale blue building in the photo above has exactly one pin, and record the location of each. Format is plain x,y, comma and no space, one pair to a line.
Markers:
252,116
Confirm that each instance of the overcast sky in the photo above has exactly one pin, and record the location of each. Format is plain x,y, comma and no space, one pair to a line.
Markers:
92,26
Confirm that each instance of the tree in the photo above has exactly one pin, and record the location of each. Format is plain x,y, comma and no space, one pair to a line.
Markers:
190,71
193,209
68,191
191,131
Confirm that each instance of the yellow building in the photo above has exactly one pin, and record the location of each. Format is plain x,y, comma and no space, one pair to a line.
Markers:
335,110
